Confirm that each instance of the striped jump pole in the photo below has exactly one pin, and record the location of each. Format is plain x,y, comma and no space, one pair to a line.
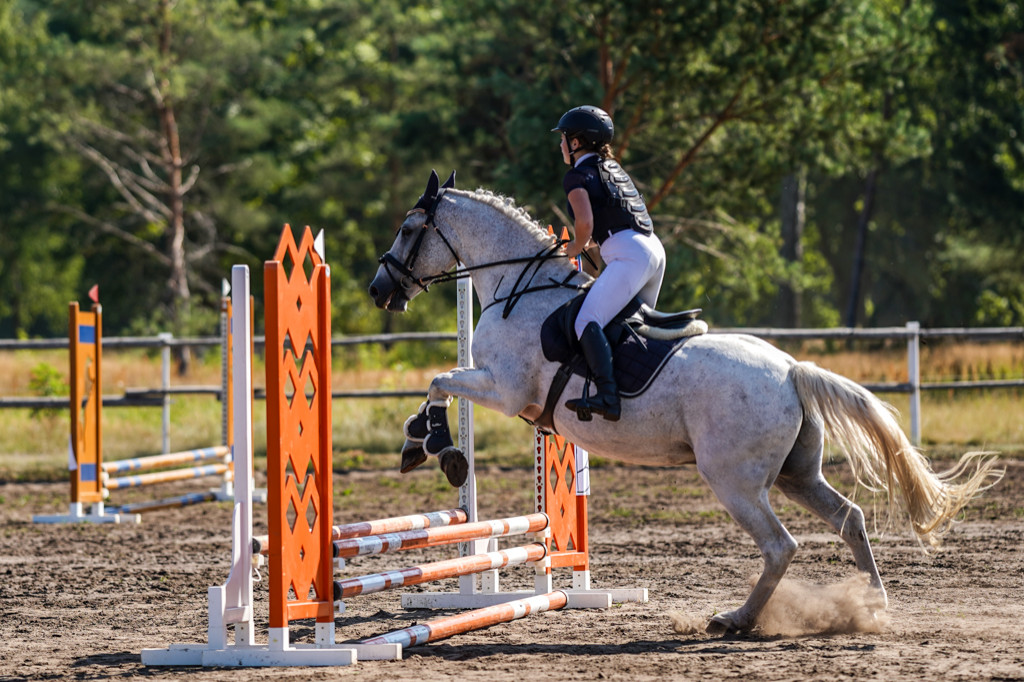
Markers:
477,619
166,476
438,570
447,517
171,459
223,469
433,537
168,503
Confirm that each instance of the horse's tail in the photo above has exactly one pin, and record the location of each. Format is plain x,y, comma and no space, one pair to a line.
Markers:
883,459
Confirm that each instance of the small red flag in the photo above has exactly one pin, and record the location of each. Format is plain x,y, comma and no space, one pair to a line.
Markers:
94,293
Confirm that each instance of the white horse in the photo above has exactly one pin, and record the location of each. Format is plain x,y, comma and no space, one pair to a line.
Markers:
747,414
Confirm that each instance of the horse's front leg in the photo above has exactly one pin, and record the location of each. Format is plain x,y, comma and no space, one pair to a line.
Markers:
427,432
477,385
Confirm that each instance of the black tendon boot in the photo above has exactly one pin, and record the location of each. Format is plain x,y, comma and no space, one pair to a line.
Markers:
598,354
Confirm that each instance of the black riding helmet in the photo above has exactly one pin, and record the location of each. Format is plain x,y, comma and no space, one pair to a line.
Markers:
590,123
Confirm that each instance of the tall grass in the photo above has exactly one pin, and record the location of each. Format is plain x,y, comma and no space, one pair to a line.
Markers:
368,432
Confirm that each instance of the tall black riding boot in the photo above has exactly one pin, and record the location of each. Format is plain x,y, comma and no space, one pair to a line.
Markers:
598,354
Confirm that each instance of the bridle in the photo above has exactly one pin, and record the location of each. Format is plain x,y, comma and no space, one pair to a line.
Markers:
401,272
406,278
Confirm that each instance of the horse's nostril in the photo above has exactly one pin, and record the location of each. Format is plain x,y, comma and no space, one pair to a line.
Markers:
373,291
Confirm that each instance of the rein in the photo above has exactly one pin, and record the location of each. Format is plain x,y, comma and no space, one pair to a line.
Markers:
516,294
534,263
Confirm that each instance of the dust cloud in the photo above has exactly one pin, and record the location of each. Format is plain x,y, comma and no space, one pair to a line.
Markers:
798,608
688,623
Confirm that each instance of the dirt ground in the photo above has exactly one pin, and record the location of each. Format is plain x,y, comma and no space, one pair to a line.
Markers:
81,602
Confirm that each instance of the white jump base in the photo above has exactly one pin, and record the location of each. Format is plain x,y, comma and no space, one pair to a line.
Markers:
96,512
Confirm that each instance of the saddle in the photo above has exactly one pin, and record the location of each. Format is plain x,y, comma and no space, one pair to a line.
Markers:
642,340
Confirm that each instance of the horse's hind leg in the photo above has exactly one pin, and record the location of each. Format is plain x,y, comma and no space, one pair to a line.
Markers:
744,493
802,481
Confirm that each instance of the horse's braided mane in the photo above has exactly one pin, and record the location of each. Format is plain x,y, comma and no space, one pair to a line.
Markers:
507,206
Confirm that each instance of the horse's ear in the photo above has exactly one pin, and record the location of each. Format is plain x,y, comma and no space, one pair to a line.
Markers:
430,193
450,182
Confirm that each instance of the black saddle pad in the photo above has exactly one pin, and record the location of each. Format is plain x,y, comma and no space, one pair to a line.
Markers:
637,359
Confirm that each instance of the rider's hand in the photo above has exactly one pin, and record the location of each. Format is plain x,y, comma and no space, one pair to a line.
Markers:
573,249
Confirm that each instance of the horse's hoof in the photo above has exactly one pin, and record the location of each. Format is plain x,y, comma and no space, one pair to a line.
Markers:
720,625
412,456
454,465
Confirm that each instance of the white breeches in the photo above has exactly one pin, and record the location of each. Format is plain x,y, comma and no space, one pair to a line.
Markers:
634,266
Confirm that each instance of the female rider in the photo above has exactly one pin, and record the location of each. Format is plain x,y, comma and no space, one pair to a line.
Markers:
606,208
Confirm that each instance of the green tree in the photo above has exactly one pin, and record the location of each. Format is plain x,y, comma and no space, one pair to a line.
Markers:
371,109
944,236
154,96
978,167
715,103
147,146
40,263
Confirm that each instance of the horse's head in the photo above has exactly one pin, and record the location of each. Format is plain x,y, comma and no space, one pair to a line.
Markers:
419,255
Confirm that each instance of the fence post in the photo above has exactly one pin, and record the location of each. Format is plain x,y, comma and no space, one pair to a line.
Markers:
914,377
165,384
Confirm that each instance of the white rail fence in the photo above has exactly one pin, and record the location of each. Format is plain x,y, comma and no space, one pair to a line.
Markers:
912,333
